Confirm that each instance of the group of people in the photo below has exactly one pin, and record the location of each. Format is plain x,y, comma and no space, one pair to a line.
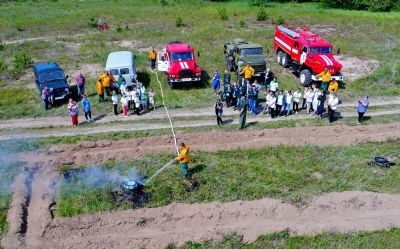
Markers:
244,96
132,97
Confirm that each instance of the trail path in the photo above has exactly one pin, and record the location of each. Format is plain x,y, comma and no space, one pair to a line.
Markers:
159,113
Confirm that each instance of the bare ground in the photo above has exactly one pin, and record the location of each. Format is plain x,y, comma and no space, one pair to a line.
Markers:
33,226
355,68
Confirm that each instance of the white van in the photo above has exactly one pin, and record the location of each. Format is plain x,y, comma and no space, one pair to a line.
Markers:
122,62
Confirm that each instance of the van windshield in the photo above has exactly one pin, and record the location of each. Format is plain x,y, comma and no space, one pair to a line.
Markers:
321,50
51,76
250,51
114,72
182,56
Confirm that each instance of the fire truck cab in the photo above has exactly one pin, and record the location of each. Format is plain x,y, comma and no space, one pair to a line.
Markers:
306,53
178,60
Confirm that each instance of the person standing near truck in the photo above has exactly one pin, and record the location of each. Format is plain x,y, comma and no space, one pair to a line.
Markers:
269,76
183,158
153,57
108,79
80,83
216,83
326,78
114,99
333,86
100,90
248,72
333,101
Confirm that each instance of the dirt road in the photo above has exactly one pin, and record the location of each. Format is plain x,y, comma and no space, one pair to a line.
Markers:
31,224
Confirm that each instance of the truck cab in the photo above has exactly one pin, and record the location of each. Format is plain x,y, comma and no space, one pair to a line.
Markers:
178,60
51,75
122,62
240,52
306,53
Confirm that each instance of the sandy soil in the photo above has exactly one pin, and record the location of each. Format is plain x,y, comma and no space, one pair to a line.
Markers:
33,226
355,68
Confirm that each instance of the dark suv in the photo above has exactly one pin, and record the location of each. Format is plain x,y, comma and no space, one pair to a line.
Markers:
53,76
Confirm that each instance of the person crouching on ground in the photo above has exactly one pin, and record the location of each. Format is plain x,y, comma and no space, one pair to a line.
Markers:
218,111
362,107
87,108
183,158
114,99
73,111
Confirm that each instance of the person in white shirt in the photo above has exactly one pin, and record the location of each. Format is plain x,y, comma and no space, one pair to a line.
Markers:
309,98
304,98
315,100
267,98
289,98
279,103
272,104
274,86
296,100
333,102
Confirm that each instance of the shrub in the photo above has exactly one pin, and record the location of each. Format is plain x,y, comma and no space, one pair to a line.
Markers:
22,60
280,20
92,22
222,13
3,70
179,21
2,45
261,14
242,23
118,29
257,3
371,5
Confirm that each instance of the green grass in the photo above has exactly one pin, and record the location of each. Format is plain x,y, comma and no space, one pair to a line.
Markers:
360,33
8,170
284,172
383,239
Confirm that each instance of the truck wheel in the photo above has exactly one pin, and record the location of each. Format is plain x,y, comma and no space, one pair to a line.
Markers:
170,84
305,77
286,61
279,56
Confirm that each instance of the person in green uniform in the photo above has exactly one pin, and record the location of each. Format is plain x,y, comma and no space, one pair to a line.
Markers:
243,113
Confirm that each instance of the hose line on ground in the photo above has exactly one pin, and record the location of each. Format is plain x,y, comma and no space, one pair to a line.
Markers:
166,110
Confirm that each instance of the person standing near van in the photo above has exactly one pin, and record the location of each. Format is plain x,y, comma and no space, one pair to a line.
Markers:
114,99
80,83
100,90
125,102
87,108
153,57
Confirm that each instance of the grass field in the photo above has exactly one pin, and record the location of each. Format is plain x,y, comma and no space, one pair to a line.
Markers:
359,33
365,240
285,172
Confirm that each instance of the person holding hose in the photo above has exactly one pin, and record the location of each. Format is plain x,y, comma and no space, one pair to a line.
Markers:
183,158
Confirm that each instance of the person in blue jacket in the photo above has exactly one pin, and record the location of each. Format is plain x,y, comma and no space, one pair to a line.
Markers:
87,108
216,83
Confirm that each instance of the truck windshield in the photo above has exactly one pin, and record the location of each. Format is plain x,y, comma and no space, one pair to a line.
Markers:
250,51
321,50
51,76
182,56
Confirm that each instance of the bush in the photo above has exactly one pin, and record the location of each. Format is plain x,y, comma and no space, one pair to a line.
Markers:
222,13
22,60
118,29
92,23
179,22
371,5
261,14
3,70
242,23
280,20
2,45
257,3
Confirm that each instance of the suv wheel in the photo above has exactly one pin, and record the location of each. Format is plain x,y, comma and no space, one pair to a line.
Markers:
305,77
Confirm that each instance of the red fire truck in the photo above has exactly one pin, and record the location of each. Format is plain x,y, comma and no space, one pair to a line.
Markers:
306,53
178,60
